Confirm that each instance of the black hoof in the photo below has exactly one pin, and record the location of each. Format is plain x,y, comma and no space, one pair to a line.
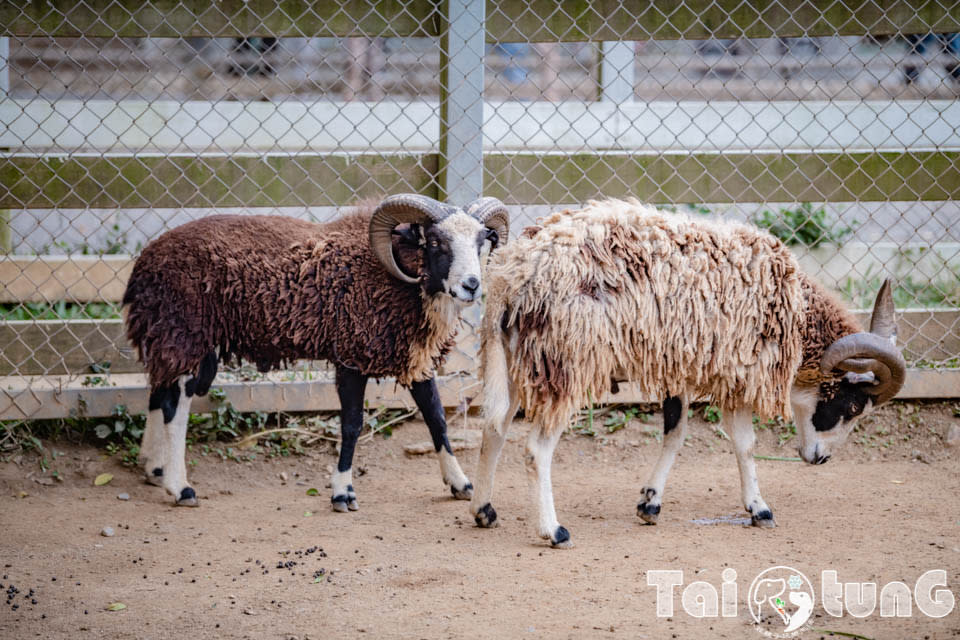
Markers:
462,494
560,539
352,503
344,503
486,517
764,519
649,513
188,498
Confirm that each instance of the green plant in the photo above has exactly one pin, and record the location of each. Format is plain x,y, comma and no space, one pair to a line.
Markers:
59,310
224,423
382,420
128,450
909,291
803,225
122,434
617,417
787,432
699,209
690,207
115,243
712,414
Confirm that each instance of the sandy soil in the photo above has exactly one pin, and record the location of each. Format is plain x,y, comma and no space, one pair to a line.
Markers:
262,559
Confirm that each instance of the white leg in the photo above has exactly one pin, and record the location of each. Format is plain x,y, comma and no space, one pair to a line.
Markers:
494,435
152,454
341,482
427,398
175,468
743,440
540,445
453,475
674,434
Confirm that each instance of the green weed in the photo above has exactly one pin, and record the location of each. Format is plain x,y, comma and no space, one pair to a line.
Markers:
59,310
803,225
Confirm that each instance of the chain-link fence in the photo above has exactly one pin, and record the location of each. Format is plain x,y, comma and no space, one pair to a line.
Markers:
834,125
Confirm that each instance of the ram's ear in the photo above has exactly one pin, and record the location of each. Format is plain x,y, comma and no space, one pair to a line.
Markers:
408,234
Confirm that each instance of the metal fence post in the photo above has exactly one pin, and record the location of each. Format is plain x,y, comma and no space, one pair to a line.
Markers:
616,71
5,239
461,101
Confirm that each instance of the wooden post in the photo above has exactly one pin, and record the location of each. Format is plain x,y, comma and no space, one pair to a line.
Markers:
6,239
461,101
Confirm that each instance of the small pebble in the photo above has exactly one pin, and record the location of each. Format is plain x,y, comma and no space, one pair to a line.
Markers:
107,532
123,496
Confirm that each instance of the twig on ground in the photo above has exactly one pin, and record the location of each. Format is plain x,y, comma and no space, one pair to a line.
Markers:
846,634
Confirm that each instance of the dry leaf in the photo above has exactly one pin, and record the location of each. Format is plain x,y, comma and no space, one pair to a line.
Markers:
102,479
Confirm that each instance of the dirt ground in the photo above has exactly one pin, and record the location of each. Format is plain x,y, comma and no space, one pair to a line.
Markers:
262,559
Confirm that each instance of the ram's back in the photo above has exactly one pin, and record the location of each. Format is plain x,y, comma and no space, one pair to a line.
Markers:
200,286
619,290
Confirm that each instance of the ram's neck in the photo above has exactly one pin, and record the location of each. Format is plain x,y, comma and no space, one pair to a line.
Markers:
441,319
826,321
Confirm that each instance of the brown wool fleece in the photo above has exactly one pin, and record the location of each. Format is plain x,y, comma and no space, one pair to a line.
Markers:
826,321
272,289
619,290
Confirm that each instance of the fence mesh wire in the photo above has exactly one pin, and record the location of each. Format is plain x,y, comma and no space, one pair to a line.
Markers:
119,122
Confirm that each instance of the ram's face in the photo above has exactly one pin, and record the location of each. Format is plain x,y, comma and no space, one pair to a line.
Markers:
451,261
825,415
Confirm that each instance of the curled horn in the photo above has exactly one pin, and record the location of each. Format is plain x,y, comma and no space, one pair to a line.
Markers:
493,214
873,351
396,210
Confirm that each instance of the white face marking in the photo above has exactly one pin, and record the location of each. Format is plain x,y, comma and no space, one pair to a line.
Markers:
462,231
816,446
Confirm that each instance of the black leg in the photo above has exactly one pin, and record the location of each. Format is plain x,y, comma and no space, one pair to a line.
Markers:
350,387
427,397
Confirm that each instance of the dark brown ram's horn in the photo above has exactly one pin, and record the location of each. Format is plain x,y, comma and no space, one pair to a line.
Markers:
873,351
493,214
396,210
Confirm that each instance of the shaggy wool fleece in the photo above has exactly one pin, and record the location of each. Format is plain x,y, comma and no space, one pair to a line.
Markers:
272,289
826,322
619,290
